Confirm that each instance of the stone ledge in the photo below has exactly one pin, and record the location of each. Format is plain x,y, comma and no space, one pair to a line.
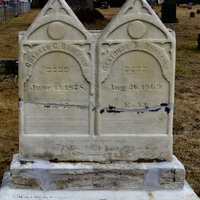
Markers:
6,193
35,174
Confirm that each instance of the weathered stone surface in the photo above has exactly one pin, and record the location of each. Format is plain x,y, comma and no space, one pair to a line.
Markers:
6,193
136,81
32,173
101,96
127,116
56,83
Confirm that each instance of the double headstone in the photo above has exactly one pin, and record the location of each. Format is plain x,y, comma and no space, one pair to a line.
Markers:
104,99
96,109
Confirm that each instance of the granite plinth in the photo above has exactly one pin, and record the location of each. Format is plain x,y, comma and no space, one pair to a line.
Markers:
6,193
46,175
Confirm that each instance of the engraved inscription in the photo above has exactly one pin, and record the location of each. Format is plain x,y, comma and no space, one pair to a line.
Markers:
39,196
37,54
50,120
124,149
138,46
57,46
57,87
93,148
137,87
97,150
57,69
159,54
114,56
62,125
135,69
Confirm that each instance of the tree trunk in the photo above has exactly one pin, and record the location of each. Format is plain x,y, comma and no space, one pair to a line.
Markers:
76,5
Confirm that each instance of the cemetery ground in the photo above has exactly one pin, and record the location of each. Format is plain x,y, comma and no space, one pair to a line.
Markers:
187,93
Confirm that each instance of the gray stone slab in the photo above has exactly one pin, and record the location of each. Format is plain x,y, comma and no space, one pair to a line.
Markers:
32,173
6,193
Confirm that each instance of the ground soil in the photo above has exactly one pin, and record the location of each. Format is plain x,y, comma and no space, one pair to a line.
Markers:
187,92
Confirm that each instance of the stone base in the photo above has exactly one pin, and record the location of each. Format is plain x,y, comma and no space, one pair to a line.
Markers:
45,175
6,193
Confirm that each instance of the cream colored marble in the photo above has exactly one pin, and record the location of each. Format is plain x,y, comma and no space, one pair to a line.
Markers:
97,95
56,82
136,64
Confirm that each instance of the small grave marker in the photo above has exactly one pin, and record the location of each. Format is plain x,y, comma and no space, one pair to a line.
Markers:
192,14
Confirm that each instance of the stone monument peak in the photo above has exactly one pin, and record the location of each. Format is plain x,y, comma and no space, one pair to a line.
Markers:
113,104
96,110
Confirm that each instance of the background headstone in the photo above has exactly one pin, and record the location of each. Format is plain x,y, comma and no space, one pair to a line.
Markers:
192,14
198,40
168,12
190,5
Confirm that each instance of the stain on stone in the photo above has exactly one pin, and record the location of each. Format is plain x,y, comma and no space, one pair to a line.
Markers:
46,106
113,111
24,162
97,185
150,196
143,160
55,160
155,110
163,104
111,107
167,110
102,111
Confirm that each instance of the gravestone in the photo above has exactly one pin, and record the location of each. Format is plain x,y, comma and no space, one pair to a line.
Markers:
56,85
192,14
96,109
168,14
128,117
190,5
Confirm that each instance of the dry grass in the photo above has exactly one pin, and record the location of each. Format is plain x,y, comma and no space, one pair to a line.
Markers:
9,33
187,101
9,121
